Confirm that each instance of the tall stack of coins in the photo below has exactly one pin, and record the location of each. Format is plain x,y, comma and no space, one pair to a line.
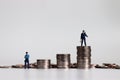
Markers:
83,57
63,60
43,63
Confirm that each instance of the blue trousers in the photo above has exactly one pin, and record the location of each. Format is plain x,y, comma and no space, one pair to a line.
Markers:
83,40
26,63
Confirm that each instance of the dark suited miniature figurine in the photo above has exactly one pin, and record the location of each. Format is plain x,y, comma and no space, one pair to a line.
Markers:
83,38
26,60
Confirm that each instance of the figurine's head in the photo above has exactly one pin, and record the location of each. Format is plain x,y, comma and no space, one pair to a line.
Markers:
83,31
26,52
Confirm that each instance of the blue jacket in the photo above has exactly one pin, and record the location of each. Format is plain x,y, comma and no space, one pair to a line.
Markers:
26,56
83,35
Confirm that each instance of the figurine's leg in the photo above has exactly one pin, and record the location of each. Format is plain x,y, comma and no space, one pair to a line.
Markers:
25,65
81,42
28,64
85,41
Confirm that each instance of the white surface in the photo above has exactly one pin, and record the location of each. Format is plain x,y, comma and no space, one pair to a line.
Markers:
59,74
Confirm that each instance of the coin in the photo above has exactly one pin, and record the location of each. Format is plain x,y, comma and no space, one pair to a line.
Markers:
43,63
63,60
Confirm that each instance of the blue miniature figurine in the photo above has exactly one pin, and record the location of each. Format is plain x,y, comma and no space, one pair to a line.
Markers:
26,60
83,37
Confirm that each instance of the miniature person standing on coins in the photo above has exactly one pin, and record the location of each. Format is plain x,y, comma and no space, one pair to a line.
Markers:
26,60
83,38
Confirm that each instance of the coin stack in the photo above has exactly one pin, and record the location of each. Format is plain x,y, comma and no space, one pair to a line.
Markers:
83,57
43,63
63,60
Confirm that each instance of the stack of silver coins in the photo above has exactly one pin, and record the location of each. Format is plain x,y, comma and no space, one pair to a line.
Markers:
83,57
63,60
43,63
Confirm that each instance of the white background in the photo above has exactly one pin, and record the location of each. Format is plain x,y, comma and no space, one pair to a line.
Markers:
45,28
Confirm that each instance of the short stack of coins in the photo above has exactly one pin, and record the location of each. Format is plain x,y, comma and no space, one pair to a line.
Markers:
83,57
63,60
43,63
